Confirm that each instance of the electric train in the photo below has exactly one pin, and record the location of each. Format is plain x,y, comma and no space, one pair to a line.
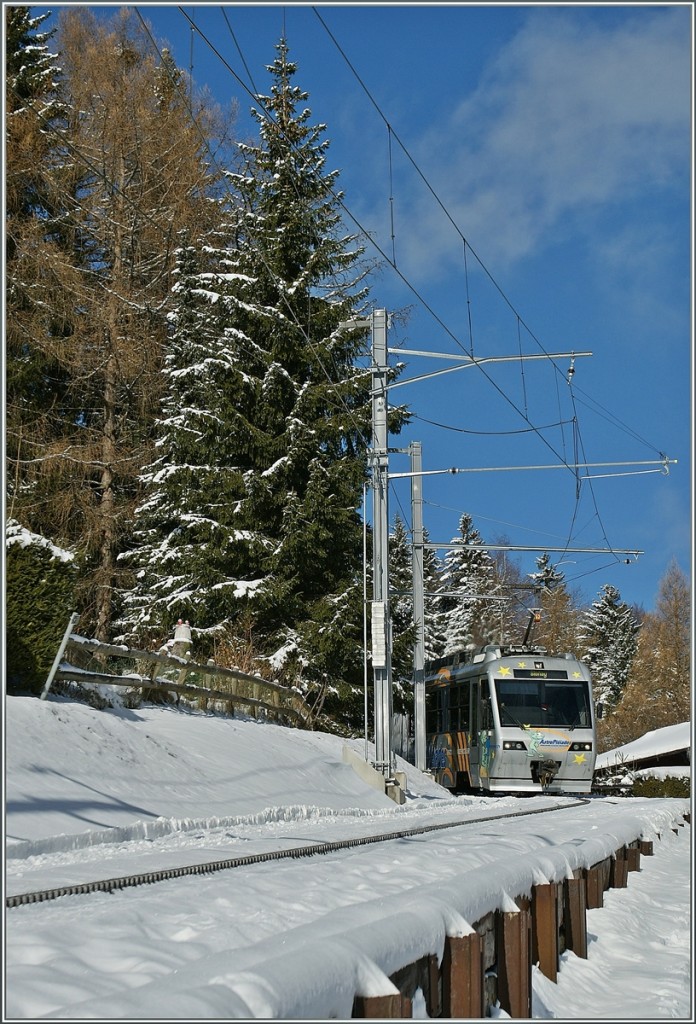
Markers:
510,719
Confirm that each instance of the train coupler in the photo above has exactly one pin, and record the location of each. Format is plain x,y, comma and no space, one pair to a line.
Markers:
544,772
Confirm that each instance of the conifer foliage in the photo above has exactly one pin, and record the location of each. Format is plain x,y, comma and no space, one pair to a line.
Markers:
401,599
251,510
468,580
609,634
658,688
184,549
117,168
40,580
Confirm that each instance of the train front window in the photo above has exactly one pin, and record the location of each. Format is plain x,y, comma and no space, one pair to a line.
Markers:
542,702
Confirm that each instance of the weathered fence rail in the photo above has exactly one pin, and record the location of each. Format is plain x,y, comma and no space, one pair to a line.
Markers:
493,963
193,679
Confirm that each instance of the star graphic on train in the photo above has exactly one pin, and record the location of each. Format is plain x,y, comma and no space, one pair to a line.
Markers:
505,670
521,664
577,675
579,758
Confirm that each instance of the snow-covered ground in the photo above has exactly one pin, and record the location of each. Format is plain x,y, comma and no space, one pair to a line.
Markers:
98,794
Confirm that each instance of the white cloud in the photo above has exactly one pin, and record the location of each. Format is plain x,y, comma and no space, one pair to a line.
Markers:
573,114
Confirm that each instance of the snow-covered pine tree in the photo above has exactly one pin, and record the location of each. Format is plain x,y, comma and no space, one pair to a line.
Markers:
187,549
435,627
401,601
609,634
308,462
282,480
658,690
467,579
32,114
401,575
547,576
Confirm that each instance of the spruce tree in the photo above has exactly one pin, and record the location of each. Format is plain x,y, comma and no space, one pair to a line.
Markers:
547,576
467,579
185,546
658,688
32,112
609,636
307,461
435,626
270,532
401,604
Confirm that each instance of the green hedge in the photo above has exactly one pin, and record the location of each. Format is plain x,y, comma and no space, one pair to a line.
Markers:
672,785
39,598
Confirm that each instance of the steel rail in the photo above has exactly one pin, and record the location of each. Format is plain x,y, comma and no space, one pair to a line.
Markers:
164,874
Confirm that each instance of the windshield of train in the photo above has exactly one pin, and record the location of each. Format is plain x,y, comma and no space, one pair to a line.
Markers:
525,702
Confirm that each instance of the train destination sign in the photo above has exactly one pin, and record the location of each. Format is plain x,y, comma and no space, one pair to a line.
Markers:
539,673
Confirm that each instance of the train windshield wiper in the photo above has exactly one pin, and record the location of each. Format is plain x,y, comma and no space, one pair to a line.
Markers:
516,721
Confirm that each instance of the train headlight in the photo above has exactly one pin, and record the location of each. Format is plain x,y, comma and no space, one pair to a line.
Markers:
513,745
581,746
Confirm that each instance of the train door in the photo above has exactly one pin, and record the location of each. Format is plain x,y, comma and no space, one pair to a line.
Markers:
486,735
474,745
480,753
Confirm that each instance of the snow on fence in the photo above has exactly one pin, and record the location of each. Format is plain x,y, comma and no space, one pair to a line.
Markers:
186,679
376,960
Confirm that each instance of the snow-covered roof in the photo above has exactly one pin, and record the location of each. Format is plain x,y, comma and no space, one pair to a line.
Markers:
653,744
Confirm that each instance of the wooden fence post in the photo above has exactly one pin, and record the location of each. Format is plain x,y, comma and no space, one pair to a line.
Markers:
633,858
513,942
618,875
575,916
594,887
545,928
433,997
462,976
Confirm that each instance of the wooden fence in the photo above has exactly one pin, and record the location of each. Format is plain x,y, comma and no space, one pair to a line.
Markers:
169,673
494,962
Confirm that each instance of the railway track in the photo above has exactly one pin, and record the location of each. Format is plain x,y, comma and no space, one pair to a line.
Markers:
209,867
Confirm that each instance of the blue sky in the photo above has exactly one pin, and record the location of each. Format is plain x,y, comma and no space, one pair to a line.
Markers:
555,140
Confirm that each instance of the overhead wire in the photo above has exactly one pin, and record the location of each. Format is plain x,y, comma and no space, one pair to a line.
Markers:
520,321
424,178
488,433
450,218
165,231
391,195
384,256
239,50
503,295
